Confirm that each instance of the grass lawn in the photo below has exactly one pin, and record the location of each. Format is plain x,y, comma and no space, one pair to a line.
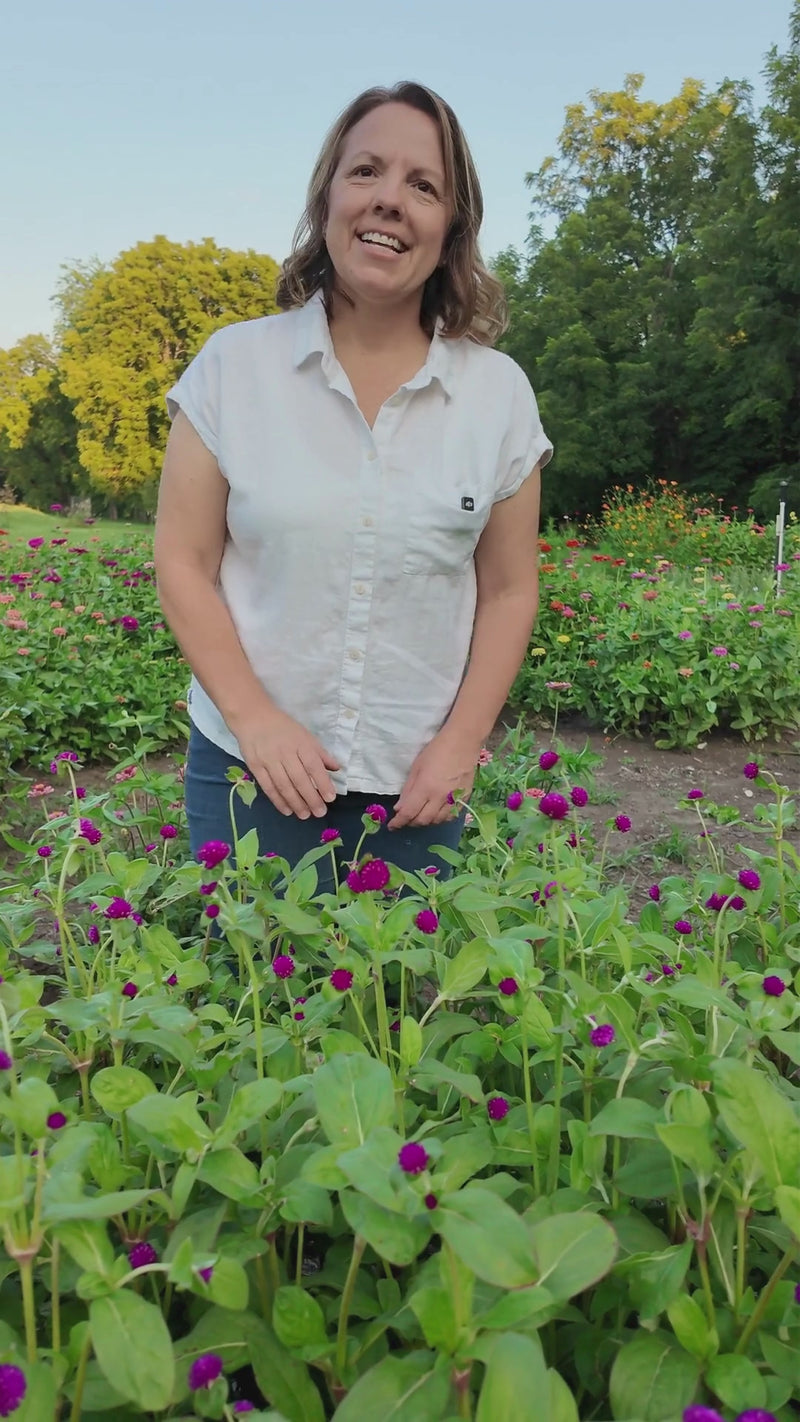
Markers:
18,521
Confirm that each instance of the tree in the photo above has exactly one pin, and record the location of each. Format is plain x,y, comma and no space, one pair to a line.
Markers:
38,433
128,331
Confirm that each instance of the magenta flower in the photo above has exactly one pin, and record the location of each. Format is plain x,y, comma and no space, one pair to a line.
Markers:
208,888
56,1120
204,1370
329,835
514,800
118,908
130,990
374,875
5,1061
715,902
212,911
719,651
750,771
169,831
699,1413
44,851
749,879
431,869
283,966
797,1293
89,831
243,1406
554,806
377,813
508,986
430,1201
141,1254
579,796
756,1414
13,1387
427,921
682,925
685,636
622,823
695,795
548,759
413,1158
773,985
602,1036
497,1108
212,853
35,542
737,903
93,933
341,979
353,882
205,1273
654,893
172,980
130,624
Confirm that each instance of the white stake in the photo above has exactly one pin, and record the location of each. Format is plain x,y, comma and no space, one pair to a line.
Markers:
780,530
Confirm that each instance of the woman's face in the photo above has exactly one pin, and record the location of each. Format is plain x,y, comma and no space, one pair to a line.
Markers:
389,182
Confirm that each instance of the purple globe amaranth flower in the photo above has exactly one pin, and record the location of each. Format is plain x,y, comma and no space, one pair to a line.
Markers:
750,771
715,902
169,831
329,835
172,980
141,1254
204,1370
756,1414
430,869
118,908
654,893
554,806
622,823
603,1035
210,855
283,966
430,1201
699,1413
773,985
548,759
56,1120
374,875
508,986
93,933
208,888
130,990
667,970
695,795
341,979
378,813
89,831
13,1387
514,800
5,1061
497,1108
212,911
749,879
682,925
205,1273
413,1158
427,921
579,796
797,1293
243,1406
44,851
737,903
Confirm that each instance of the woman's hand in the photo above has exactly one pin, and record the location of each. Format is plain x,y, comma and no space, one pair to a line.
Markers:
446,766
290,764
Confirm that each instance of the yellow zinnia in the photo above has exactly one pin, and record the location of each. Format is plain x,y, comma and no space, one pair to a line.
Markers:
563,638
538,651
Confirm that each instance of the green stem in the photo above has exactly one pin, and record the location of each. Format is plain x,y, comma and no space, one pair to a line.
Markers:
555,1143
80,1378
741,1254
702,1263
526,1079
764,1298
359,1245
28,1308
55,1298
298,1268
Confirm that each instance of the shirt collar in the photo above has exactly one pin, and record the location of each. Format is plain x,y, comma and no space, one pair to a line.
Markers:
313,337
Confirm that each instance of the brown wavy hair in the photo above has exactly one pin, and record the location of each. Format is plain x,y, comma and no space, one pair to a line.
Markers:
462,291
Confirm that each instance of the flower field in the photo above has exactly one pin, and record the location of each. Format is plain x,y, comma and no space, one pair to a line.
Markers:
512,1146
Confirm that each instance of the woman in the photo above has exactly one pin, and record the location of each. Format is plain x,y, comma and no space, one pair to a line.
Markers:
349,508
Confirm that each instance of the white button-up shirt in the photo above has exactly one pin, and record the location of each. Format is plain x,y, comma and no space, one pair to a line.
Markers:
348,567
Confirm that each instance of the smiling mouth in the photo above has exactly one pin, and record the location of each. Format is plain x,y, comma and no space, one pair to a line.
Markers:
382,241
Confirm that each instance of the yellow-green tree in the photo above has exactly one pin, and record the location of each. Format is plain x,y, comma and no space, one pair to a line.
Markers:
38,434
128,331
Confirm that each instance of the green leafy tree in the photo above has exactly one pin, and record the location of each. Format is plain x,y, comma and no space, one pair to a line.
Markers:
38,432
128,331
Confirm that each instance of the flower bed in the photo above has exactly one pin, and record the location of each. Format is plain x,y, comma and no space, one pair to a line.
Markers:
492,1147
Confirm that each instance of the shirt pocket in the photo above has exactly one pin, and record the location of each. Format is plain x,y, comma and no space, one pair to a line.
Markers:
442,536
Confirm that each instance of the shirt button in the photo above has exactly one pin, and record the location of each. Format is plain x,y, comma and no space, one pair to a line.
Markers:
349,713
360,589
372,454
354,654
368,521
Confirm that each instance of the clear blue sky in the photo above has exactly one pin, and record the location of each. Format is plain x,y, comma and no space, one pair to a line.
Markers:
120,119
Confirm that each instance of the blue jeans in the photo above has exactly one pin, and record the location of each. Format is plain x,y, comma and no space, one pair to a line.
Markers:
207,794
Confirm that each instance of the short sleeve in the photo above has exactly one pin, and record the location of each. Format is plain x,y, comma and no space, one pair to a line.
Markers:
197,393
525,443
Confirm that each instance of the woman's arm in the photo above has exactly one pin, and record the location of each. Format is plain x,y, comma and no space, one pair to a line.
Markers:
507,567
286,760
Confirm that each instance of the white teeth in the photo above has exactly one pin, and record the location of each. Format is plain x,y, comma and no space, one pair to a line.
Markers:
382,240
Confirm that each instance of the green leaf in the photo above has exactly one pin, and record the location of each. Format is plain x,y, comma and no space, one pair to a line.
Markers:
410,1042
14,1173
465,971
249,1105
171,1122
307,1203
116,1088
431,1073
230,1173
737,1382
409,1389
515,1382
654,1280
393,1237
692,1145
520,1306
626,1117
228,1286
132,1345
216,1330
488,1236
434,1308
369,1167
787,1199
562,1406
691,1328
572,1252
284,1380
87,1242
652,1380
40,1394
353,1095
29,1107
759,1118
298,1319
92,1207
